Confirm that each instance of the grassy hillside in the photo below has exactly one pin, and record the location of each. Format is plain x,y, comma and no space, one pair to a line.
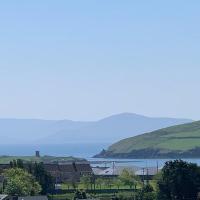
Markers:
45,159
175,141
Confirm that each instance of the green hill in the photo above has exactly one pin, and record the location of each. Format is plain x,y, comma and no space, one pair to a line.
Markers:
182,141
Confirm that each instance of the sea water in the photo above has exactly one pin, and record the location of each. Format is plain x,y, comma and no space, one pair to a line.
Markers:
82,150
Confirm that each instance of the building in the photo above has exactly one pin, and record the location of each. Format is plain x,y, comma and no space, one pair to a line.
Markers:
33,198
147,173
67,172
5,197
144,173
113,171
3,167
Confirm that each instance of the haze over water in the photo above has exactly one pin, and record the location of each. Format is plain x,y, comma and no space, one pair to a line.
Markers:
83,150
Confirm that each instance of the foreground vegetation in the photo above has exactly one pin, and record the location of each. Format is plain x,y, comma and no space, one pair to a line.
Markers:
178,180
177,141
32,180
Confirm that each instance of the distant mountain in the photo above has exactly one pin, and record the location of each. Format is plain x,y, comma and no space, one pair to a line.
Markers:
181,141
107,130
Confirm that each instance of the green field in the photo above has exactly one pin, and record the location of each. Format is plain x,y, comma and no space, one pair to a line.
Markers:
45,159
177,140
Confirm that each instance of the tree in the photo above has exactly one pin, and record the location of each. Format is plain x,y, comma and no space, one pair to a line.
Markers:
17,163
147,193
43,177
38,171
128,178
118,183
20,182
74,184
86,181
80,195
20,163
179,180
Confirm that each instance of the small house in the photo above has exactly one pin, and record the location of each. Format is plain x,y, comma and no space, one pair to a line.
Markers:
33,198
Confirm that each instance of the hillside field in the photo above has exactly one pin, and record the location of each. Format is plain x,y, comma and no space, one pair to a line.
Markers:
175,141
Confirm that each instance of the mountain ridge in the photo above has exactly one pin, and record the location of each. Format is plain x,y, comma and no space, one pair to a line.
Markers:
107,130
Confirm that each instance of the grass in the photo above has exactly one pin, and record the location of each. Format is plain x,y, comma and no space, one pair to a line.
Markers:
66,186
102,196
182,137
51,159
180,144
61,196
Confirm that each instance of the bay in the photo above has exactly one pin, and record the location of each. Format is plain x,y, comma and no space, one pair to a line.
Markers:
82,150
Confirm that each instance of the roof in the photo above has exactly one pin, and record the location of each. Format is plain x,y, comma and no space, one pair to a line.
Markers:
4,166
69,167
98,170
33,198
151,171
3,196
51,167
66,168
85,167
116,171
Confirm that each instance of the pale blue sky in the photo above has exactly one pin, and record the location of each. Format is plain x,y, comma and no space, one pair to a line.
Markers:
84,60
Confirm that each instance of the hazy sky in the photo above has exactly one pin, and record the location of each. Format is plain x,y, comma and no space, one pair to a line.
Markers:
84,60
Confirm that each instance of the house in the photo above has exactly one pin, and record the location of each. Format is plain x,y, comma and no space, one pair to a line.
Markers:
149,172
98,170
112,171
5,197
70,171
3,167
33,198
83,168
144,173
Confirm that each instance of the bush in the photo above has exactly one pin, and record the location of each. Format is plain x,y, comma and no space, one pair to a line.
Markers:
126,196
19,182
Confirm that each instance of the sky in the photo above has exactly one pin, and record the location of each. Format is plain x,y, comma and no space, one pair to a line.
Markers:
85,60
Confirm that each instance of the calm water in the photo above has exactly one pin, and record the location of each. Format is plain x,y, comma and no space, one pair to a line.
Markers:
83,150
137,162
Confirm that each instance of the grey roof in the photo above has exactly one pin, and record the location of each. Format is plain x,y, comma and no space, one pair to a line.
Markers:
3,196
98,170
33,198
116,171
151,171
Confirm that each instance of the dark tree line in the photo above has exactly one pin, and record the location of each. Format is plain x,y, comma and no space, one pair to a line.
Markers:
179,180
